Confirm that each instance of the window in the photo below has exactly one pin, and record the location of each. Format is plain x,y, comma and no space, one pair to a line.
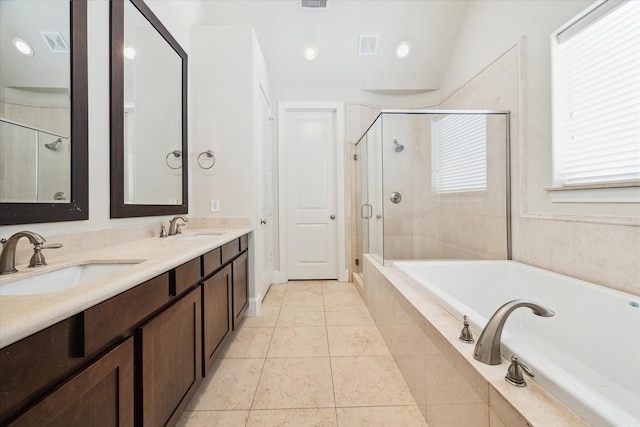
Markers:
596,90
459,153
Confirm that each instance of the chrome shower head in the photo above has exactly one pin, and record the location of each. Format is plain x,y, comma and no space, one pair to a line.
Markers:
53,146
399,147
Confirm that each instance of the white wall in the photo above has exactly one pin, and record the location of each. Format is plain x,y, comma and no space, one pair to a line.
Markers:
174,15
489,29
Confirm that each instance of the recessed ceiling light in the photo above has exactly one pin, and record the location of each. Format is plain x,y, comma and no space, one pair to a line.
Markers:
403,49
23,47
129,52
310,52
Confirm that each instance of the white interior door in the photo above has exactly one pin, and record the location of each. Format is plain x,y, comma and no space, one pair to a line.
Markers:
266,195
310,156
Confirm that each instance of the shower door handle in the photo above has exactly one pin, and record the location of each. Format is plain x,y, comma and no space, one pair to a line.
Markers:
366,211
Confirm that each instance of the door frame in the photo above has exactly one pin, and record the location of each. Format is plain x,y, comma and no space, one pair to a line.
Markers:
338,109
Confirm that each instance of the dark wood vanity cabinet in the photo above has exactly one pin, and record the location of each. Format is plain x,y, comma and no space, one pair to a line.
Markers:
134,359
217,320
99,395
170,361
240,287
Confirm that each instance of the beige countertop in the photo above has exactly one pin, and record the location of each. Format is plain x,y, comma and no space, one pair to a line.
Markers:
23,315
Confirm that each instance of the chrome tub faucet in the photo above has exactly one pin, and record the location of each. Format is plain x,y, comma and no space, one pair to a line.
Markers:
488,346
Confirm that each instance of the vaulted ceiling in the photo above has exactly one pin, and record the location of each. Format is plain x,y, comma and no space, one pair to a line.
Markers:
284,29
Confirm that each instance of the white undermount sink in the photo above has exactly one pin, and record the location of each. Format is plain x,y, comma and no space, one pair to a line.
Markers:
64,278
199,236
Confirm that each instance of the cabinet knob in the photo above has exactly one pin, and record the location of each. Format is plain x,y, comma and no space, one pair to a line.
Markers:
263,221
332,217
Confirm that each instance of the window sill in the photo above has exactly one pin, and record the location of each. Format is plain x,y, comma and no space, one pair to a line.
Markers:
627,192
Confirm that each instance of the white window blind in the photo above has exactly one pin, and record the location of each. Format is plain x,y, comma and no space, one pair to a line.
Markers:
597,96
459,153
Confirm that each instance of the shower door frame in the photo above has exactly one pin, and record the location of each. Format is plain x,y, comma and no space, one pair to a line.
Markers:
508,171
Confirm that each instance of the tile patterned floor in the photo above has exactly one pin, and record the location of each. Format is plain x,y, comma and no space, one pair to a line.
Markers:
314,357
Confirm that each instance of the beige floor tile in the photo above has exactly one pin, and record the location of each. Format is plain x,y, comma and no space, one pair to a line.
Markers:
348,318
275,295
378,416
351,307
295,316
346,297
325,417
213,418
303,341
231,384
249,343
290,383
305,285
369,381
359,340
333,286
310,299
267,318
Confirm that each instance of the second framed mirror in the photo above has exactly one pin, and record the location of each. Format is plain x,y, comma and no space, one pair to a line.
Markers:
148,115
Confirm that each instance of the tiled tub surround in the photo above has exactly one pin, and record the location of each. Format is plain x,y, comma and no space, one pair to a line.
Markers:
23,315
449,386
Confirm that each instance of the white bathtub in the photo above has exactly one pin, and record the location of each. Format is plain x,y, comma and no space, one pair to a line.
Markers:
587,355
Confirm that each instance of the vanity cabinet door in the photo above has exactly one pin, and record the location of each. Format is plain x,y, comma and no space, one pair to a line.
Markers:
170,364
99,395
216,314
240,287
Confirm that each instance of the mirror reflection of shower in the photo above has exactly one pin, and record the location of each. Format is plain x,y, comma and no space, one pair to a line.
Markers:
53,146
398,147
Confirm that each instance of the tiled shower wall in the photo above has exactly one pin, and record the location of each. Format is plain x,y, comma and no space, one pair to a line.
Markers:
427,224
583,247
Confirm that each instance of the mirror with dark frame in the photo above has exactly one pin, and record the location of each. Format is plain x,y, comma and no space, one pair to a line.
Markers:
148,115
43,111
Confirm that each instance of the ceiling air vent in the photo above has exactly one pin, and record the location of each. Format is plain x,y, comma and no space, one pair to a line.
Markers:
313,4
55,41
368,45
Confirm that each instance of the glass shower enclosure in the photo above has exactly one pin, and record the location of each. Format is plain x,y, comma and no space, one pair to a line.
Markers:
433,184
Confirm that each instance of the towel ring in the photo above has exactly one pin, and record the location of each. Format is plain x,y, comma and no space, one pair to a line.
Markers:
210,155
175,153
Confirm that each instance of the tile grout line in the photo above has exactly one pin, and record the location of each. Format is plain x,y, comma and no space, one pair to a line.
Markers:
333,385
264,363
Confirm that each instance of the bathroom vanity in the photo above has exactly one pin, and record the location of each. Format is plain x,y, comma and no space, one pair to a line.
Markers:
138,356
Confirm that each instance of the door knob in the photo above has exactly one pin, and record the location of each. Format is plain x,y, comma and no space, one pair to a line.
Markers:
332,217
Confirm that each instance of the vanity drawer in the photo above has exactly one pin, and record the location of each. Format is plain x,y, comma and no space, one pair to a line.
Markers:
187,275
230,250
211,261
116,318
244,242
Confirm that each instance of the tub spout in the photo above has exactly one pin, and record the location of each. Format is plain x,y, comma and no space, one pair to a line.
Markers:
488,346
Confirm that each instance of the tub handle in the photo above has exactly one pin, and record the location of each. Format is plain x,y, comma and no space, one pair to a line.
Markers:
514,373
465,333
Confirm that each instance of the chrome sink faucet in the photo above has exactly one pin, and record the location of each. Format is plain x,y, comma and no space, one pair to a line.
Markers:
488,346
8,255
174,226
